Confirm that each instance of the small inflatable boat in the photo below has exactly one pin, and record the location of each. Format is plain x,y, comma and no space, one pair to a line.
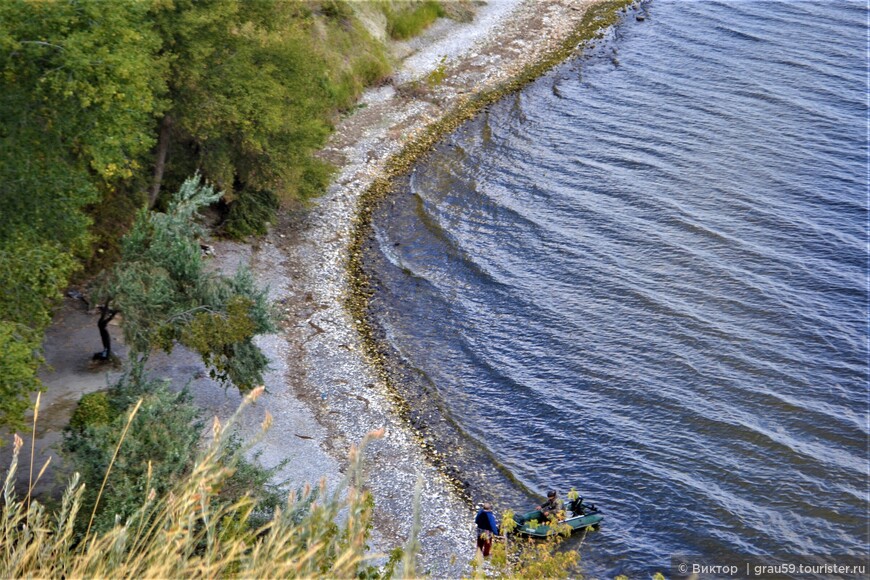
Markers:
576,514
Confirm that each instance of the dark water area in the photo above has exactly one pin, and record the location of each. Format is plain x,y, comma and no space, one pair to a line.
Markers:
646,276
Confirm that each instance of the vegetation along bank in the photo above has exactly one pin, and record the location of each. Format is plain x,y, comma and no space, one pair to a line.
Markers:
108,111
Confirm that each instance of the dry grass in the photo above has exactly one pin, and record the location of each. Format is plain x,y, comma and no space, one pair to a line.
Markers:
188,533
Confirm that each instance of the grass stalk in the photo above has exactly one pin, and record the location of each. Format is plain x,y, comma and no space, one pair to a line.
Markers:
33,448
190,532
112,463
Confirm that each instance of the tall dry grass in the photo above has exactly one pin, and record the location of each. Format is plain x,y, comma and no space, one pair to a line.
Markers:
188,533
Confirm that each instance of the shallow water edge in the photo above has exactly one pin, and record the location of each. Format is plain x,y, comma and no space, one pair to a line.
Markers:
465,462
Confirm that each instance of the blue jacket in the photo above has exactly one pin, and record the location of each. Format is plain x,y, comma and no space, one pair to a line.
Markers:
486,521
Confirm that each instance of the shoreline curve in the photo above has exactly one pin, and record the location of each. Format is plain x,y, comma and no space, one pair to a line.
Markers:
325,392
566,26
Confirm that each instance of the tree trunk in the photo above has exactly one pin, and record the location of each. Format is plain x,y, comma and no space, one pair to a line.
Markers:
160,162
106,315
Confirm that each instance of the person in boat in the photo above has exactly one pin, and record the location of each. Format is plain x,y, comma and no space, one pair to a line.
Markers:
487,528
552,506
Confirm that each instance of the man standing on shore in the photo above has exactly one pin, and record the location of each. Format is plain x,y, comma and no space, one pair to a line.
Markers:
487,528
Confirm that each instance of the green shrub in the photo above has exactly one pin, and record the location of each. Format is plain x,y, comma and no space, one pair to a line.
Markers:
251,213
33,274
315,179
20,357
408,19
438,74
93,409
352,61
186,531
154,458
157,450
336,9
250,479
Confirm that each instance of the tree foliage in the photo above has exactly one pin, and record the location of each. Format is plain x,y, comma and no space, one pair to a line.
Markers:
253,89
85,73
18,365
78,92
166,296
149,457
36,261
96,96
189,531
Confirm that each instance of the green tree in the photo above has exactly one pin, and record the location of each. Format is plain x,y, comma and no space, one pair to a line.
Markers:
41,237
20,359
166,295
253,89
86,75
79,89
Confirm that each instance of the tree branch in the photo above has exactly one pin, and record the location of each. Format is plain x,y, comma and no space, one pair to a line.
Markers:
188,312
160,161
41,43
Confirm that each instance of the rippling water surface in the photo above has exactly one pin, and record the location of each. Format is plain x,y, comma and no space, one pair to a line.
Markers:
646,275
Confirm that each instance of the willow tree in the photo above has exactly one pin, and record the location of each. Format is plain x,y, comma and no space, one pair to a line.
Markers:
166,296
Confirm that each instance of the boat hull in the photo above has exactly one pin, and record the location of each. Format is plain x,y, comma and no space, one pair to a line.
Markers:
534,523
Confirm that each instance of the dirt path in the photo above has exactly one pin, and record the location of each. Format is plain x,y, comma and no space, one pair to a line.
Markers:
321,392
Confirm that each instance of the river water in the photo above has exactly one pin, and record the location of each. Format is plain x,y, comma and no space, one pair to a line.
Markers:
645,276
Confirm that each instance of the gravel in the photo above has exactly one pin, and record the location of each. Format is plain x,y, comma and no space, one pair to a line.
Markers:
321,393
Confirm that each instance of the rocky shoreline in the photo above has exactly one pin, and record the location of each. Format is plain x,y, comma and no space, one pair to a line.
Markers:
329,385
348,382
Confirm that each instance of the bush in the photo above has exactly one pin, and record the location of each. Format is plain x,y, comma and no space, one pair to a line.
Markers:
156,451
166,295
33,273
154,459
411,18
251,213
336,9
93,410
20,357
250,479
186,533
